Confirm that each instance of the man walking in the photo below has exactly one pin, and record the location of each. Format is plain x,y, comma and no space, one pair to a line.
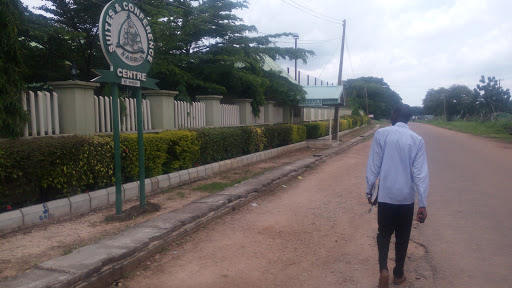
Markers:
397,158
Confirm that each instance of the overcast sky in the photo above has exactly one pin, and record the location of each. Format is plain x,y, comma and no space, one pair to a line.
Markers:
413,45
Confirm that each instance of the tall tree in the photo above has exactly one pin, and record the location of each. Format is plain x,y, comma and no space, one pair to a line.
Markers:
376,92
458,100
77,23
492,98
12,115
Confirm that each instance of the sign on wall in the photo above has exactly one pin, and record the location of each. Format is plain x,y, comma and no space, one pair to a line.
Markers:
127,43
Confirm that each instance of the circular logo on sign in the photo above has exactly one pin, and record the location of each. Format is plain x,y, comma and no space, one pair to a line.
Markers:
125,37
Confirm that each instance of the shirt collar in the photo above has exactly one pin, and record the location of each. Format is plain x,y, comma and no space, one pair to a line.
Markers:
401,124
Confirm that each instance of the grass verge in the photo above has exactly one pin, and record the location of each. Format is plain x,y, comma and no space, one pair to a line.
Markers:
215,187
499,129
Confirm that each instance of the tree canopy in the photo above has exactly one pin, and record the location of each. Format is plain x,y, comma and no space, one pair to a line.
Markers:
12,70
381,98
202,48
485,100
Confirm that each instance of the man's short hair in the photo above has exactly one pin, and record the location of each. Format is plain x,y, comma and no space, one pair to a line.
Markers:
401,113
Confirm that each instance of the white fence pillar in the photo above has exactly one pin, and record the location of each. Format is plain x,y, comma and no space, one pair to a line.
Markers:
245,110
76,106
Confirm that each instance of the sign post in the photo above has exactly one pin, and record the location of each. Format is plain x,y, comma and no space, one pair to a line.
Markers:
127,43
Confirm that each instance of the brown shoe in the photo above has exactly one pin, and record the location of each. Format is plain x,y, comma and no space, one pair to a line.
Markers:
398,281
384,279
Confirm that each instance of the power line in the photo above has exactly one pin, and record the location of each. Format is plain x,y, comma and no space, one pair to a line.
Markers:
305,11
334,52
350,59
310,42
323,15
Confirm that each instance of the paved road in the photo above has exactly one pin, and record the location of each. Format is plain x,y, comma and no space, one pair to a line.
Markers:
469,231
316,231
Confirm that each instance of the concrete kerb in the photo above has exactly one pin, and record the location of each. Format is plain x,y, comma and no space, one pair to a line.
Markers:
216,167
89,272
59,208
112,194
10,220
174,178
192,174
99,198
208,169
201,171
131,190
163,181
80,204
185,175
154,185
32,214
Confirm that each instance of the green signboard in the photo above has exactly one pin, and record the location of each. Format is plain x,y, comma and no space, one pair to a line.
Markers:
319,102
127,43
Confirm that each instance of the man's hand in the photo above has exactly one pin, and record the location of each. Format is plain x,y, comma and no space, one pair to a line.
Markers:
421,216
369,197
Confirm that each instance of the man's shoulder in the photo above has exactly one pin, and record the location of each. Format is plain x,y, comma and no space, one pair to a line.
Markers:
398,131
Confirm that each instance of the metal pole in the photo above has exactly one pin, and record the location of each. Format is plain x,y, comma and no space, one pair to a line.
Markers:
341,57
140,142
296,58
117,149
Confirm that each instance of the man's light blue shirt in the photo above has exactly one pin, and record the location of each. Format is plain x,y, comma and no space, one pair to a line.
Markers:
398,159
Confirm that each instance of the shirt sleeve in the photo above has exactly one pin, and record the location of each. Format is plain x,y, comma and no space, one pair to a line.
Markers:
420,174
374,164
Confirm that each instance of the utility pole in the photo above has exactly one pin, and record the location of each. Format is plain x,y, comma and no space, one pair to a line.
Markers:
336,134
342,50
296,36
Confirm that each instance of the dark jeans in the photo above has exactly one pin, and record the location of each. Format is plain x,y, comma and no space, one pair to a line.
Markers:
395,218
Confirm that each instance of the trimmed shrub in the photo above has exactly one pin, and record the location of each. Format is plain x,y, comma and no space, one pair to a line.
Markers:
218,144
316,130
163,153
344,125
183,149
154,156
281,135
298,134
44,169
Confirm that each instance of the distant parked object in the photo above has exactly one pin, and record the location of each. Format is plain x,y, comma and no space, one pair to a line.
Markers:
425,117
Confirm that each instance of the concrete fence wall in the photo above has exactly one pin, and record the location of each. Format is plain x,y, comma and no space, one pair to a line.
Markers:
312,114
42,108
189,115
278,115
229,115
103,115
74,109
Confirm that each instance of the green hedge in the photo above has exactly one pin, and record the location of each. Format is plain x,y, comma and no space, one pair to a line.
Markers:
344,125
43,169
316,130
281,135
163,153
47,168
219,144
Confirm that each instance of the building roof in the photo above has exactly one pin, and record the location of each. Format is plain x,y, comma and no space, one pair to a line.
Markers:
315,95
323,95
269,64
